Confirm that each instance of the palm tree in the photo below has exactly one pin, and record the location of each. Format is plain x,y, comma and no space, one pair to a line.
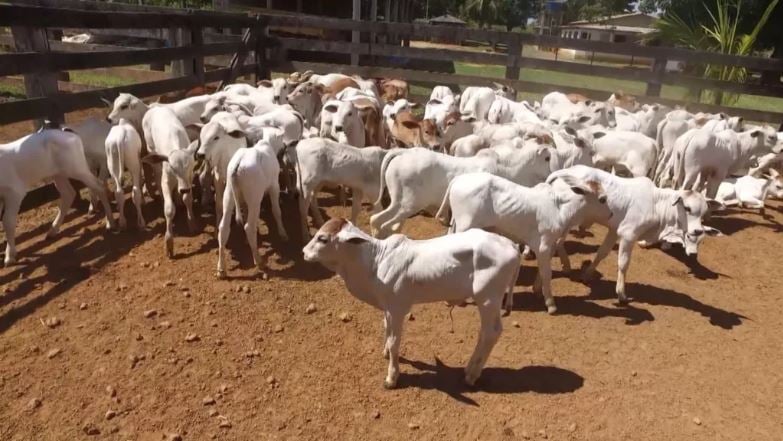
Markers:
720,36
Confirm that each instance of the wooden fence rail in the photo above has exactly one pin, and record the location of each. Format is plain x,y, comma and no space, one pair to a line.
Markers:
39,60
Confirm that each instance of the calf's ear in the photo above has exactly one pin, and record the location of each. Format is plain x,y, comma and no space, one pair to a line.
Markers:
412,125
712,231
677,200
714,205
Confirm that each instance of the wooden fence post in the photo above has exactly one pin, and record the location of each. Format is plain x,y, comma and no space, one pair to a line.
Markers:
29,39
180,37
659,69
513,55
197,41
356,35
262,53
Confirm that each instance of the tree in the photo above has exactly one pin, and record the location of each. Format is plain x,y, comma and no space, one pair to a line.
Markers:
513,13
482,11
595,9
721,33
648,6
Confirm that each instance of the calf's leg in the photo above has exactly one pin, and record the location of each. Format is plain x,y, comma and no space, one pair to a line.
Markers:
603,251
394,321
10,212
623,261
67,195
491,328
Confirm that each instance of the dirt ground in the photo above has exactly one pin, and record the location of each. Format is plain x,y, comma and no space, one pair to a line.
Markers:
695,356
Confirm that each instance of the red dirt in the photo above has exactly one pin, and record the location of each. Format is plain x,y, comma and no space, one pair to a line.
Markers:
695,356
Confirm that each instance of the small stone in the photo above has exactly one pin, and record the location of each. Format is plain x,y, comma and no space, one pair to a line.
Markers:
246,289
238,288
409,316
572,428
83,306
33,404
525,435
111,391
208,401
52,322
191,338
345,317
165,325
542,433
413,426
278,328
633,374
174,437
224,423
91,429
375,414
150,313
53,353
212,412
110,414
224,387
515,324
311,308
697,421
122,287
139,337
271,380
169,283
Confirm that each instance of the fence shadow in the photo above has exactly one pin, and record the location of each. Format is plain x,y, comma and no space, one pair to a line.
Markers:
451,380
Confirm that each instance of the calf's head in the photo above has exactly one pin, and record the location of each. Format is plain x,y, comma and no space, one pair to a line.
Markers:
181,163
334,242
129,107
215,135
281,87
691,209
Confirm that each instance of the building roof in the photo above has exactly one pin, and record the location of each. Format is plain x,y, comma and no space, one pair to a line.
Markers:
609,27
447,19
614,17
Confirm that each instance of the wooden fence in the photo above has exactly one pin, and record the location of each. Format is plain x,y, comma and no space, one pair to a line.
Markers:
364,46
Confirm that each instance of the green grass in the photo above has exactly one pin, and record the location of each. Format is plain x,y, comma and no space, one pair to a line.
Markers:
98,80
606,84
11,90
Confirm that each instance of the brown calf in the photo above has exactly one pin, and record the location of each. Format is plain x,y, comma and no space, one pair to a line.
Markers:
409,131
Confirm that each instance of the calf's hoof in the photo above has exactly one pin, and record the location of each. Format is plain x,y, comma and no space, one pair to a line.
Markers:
221,274
551,309
9,261
389,384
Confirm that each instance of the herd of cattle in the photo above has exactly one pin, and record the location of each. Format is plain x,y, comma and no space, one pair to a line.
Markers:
500,173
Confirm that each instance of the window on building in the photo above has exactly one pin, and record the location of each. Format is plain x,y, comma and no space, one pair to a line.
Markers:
584,35
620,38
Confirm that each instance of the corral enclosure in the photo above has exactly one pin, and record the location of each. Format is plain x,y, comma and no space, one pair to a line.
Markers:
168,349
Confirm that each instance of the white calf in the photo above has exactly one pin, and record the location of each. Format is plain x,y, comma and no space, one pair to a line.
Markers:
641,211
167,143
252,172
122,148
50,154
322,162
538,217
750,192
504,110
394,274
631,151
418,178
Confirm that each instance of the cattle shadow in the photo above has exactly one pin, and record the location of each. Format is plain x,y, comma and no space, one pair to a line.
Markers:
696,268
450,380
63,271
656,296
581,306
729,223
